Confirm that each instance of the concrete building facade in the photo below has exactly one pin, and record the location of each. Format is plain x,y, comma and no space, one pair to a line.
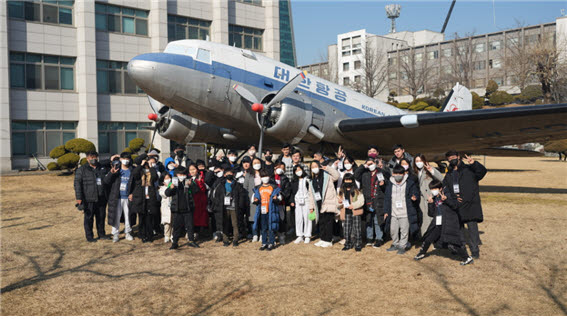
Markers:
63,64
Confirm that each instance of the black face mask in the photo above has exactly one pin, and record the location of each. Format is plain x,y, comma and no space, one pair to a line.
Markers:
454,162
269,158
93,161
230,177
180,154
349,185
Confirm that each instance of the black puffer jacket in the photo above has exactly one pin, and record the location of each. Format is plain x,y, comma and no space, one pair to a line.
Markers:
285,186
113,182
239,197
468,176
86,186
450,222
182,190
364,176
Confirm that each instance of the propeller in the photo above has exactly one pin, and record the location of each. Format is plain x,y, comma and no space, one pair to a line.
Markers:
264,110
154,105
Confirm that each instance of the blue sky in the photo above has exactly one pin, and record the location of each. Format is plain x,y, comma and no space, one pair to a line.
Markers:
317,22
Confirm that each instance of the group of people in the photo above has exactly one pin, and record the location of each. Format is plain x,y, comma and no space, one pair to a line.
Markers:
247,197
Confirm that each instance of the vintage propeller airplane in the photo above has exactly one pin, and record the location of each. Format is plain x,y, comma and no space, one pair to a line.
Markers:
227,96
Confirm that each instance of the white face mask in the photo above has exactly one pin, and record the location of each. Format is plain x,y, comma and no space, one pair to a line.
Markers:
265,180
419,165
299,173
315,170
181,178
279,171
348,166
257,166
171,167
152,164
372,167
251,153
241,180
232,158
405,167
220,174
434,192
146,170
125,162
166,181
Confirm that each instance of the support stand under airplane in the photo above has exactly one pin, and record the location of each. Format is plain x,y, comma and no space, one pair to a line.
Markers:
222,95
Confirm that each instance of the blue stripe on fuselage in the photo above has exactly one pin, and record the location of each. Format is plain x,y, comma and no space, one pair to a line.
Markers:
245,77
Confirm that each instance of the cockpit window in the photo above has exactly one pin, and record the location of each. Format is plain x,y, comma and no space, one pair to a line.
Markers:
204,55
180,49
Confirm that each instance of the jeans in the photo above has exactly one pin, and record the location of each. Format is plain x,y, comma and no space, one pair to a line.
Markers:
372,223
264,225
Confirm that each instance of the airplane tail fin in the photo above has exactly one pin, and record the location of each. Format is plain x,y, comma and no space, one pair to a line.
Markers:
459,99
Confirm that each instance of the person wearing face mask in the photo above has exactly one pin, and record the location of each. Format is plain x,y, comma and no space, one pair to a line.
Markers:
160,168
373,152
323,200
399,154
267,198
181,192
91,195
285,186
177,159
165,209
228,204
231,160
299,198
120,182
461,181
286,159
444,228
247,179
373,181
351,203
425,174
268,164
349,167
399,197
144,193
200,215
217,177
251,151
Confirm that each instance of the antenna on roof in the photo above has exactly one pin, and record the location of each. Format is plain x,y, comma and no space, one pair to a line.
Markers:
448,16
393,12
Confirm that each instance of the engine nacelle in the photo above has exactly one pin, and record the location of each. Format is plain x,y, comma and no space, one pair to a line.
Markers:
183,128
289,120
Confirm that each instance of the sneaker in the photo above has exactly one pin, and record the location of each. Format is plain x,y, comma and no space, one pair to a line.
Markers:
319,243
475,255
174,246
307,240
282,238
298,240
392,248
378,243
196,236
186,236
255,239
193,244
358,248
166,239
419,256
335,239
235,243
369,242
342,242
260,238
91,240
215,236
270,247
326,244
469,260
346,247
219,239
115,238
263,247
401,251
129,237
226,244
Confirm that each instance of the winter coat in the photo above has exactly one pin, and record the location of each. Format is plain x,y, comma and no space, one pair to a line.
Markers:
328,195
239,197
86,186
295,188
285,188
342,175
185,162
357,204
113,182
182,190
393,161
249,187
411,190
273,213
424,180
470,209
165,206
139,192
450,222
364,176
201,216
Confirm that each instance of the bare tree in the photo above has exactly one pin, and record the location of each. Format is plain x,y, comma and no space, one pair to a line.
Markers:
461,63
373,71
414,72
518,62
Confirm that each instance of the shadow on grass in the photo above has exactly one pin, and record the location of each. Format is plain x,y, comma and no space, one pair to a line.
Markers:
519,189
510,170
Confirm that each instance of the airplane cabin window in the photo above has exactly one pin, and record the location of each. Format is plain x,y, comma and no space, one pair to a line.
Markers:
204,55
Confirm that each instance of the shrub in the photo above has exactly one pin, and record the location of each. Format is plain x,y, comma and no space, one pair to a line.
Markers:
136,144
392,103
531,93
419,106
53,166
127,150
68,161
83,161
431,109
403,106
500,98
79,145
134,157
491,88
477,101
57,152
439,93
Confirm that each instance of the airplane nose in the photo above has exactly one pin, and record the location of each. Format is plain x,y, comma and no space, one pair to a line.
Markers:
141,71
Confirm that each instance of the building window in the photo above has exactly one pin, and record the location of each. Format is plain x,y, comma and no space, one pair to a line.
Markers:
246,38
346,53
479,47
531,38
393,76
180,28
121,19
418,57
39,137
112,77
479,83
42,72
498,81
480,65
255,2
345,66
357,79
356,42
357,65
356,51
494,63
447,52
56,12
113,137
494,45
513,41
433,55
346,81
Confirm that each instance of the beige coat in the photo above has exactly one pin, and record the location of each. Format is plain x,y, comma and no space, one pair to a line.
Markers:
357,204
329,203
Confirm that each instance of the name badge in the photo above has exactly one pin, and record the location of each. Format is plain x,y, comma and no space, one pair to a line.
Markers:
99,181
346,203
241,180
380,177
227,200
278,182
317,196
123,187
146,191
175,181
456,189
301,201
264,209
340,165
438,220
399,204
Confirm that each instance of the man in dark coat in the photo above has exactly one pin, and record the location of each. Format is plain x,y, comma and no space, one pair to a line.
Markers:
182,206
119,181
144,193
285,185
91,195
461,181
228,199
373,179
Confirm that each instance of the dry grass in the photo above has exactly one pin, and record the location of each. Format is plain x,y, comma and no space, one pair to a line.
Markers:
49,269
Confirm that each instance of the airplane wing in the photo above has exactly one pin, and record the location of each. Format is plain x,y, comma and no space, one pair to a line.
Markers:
469,131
